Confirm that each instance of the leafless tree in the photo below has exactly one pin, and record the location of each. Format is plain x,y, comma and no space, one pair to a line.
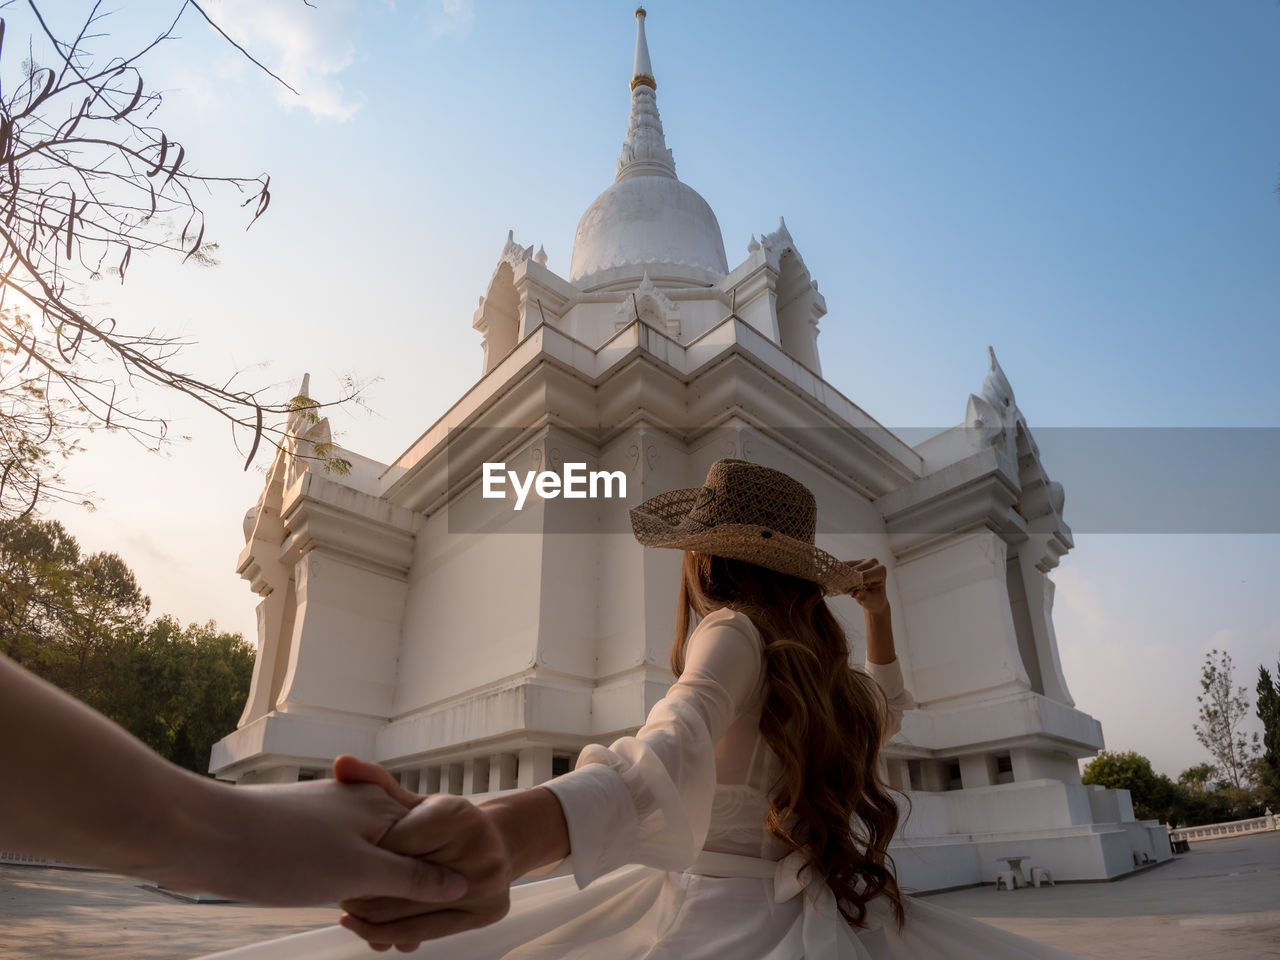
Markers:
1223,708
89,181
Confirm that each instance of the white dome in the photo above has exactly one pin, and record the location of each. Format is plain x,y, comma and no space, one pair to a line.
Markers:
653,224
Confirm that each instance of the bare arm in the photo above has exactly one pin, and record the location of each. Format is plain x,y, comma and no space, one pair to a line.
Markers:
880,647
532,826
81,789
881,656
875,611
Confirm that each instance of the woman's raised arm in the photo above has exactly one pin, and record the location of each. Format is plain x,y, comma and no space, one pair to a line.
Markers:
882,657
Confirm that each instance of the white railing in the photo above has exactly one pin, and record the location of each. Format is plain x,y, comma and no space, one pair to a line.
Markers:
1236,828
21,859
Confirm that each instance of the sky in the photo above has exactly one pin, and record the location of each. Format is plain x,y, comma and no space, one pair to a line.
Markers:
1089,188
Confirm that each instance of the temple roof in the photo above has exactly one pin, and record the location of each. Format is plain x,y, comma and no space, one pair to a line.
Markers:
648,220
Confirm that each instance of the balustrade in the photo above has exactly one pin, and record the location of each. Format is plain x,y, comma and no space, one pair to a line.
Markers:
1235,828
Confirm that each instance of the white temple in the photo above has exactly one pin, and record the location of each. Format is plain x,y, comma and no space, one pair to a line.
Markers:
473,648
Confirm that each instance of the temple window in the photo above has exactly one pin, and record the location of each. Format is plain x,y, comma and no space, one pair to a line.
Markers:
953,775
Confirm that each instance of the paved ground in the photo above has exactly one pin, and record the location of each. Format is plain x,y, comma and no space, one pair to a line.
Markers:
80,915
1221,901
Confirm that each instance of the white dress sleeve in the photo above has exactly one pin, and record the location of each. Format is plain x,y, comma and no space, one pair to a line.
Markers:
647,799
899,699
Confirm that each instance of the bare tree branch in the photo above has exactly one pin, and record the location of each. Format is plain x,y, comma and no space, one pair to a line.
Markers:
87,182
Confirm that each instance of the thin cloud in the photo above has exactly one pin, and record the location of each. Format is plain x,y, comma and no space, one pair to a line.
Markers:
1082,595
450,17
308,47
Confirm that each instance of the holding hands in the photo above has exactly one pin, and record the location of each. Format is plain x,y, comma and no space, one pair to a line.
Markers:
489,844
449,831
299,844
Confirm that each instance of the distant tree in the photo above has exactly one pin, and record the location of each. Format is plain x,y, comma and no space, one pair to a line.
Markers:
1268,768
1153,795
1223,707
106,623
1126,770
89,181
183,689
39,571
81,623
1199,778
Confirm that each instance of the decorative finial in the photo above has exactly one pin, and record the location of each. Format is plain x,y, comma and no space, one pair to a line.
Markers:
644,153
541,255
643,73
995,388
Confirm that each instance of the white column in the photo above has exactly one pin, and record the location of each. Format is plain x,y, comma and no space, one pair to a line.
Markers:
931,775
475,775
502,772
977,770
469,776
535,767
899,773
451,778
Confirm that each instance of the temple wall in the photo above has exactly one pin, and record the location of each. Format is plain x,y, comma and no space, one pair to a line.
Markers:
1110,806
346,635
953,595
474,601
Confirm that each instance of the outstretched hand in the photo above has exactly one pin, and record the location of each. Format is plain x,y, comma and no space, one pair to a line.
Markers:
871,594
448,831
279,845
302,843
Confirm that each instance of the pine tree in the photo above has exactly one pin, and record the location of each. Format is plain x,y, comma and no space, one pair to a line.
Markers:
1269,714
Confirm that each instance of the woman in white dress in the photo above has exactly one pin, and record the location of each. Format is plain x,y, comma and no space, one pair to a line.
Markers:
746,819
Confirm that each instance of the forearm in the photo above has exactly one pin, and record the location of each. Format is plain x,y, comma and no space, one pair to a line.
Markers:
879,626
81,788
532,826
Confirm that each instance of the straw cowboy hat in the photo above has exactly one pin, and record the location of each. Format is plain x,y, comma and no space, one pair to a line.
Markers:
745,511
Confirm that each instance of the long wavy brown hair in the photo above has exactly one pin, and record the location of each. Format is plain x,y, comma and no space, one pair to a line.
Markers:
823,719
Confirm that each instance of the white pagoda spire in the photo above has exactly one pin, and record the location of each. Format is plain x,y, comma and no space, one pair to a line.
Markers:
643,74
644,152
